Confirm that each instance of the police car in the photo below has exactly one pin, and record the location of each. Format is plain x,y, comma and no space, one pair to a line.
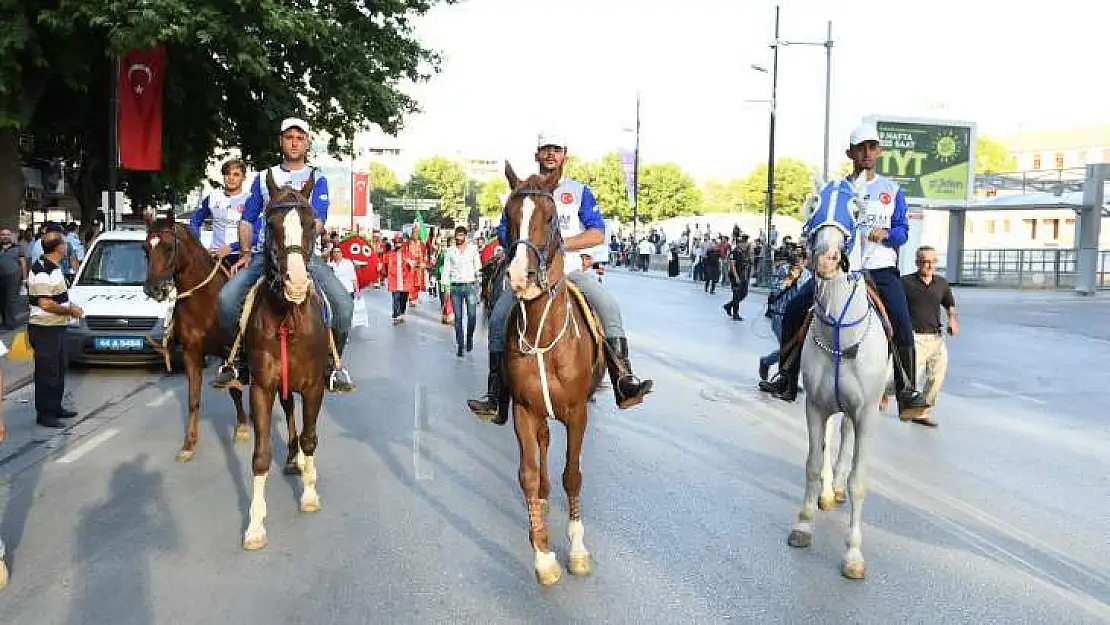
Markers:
121,324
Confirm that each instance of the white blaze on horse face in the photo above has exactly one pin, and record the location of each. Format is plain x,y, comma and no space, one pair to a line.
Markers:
154,241
294,263
518,269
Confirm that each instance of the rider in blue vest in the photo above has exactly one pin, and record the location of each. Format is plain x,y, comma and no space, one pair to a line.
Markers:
582,228
295,172
883,227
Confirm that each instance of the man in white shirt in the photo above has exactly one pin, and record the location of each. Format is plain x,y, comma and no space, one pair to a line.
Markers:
343,269
225,208
461,266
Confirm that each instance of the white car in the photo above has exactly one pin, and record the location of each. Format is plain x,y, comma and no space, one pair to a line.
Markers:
121,323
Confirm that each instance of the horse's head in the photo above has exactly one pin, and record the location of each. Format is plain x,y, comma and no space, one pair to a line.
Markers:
536,246
292,226
162,252
832,225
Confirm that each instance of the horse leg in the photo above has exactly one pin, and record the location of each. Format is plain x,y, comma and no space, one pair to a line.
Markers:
802,533
827,501
572,483
262,402
194,371
853,566
844,460
544,438
527,435
242,430
294,445
311,400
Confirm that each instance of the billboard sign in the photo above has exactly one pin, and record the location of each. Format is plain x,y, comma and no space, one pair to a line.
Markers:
933,160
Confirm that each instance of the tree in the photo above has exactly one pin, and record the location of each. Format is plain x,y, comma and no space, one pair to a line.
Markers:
666,191
442,179
992,157
489,196
230,78
793,184
606,180
719,196
383,187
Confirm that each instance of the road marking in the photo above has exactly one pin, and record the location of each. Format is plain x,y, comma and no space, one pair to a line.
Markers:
420,442
78,452
161,399
998,391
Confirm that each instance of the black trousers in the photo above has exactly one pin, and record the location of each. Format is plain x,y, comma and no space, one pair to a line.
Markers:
10,301
400,302
51,364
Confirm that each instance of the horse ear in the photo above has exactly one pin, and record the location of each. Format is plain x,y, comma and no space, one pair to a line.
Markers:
510,175
271,186
306,191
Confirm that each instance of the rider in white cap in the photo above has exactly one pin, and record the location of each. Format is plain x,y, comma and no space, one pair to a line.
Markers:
883,228
293,171
582,228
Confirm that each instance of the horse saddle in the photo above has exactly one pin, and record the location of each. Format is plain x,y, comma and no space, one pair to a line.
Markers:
593,322
876,303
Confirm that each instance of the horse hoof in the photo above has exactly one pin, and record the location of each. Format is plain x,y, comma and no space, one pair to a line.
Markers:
799,539
254,543
242,433
3,575
840,496
291,468
311,505
579,564
185,455
826,502
547,569
853,569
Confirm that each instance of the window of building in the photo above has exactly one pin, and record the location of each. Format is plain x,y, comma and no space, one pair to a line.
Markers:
1069,222
1006,226
990,226
1053,225
1032,224
1036,161
1059,160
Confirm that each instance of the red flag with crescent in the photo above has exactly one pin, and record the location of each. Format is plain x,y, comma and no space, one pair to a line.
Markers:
141,77
362,188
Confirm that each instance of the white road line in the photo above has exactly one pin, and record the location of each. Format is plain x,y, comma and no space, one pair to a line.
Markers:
998,391
78,452
161,399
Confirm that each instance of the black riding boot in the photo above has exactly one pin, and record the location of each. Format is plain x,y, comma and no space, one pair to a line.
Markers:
628,389
911,402
231,374
494,406
784,385
339,381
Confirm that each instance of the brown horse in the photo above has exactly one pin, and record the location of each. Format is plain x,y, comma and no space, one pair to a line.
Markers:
553,363
175,259
289,346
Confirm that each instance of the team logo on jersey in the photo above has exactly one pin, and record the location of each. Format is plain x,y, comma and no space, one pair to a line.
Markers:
566,198
884,197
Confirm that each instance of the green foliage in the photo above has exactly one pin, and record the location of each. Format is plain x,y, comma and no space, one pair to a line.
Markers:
234,70
793,184
442,179
666,191
992,157
489,196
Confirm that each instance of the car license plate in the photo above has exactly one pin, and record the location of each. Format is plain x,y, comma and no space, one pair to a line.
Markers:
119,343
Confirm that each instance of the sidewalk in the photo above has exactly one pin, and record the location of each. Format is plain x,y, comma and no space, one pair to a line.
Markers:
682,278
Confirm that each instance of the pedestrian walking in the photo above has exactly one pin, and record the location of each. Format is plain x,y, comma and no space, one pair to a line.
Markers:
461,267
926,294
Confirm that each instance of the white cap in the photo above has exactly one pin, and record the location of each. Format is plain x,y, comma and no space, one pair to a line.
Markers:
295,122
549,137
864,132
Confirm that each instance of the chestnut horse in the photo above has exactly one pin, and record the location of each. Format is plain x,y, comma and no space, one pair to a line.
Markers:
553,365
288,346
176,260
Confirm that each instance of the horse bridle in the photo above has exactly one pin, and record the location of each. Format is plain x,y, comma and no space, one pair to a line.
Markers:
172,274
554,240
285,206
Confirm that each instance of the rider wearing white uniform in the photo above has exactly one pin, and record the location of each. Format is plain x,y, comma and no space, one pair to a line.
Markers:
583,228
225,207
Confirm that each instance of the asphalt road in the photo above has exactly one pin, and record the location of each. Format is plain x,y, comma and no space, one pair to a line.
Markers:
999,515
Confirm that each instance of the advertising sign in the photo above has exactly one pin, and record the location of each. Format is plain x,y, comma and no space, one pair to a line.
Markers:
932,159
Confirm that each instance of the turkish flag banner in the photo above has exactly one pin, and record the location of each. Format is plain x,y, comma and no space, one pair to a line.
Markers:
362,187
139,130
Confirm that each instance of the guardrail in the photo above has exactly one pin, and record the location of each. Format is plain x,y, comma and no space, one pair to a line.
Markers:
1028,268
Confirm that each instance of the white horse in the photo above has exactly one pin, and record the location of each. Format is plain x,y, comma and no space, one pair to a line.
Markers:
845,360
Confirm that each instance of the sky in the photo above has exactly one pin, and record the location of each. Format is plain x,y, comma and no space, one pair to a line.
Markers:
515,67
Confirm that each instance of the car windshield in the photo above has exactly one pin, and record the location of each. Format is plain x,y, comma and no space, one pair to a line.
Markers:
115,263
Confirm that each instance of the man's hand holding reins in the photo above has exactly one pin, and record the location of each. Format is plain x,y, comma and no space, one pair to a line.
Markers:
244,260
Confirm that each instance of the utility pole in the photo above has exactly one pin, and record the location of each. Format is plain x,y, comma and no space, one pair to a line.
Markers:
636,175
768,253
113,146
828,100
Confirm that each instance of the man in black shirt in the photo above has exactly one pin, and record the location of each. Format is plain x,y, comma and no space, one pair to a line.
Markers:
739,274
926,294
712,263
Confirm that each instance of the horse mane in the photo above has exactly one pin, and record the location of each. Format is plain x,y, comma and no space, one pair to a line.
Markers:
163,223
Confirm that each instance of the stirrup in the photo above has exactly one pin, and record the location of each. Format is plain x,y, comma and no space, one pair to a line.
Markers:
233,382
340,381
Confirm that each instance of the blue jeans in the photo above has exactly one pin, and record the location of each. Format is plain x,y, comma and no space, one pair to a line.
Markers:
603,302
467,293
234,293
